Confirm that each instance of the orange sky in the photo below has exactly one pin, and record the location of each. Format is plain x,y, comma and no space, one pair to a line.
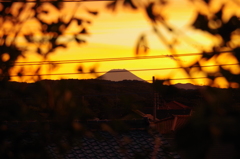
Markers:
116,34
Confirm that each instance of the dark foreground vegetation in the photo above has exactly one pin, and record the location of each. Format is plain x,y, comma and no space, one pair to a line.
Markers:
35,115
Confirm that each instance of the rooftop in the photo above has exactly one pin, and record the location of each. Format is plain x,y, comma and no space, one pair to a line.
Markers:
133,144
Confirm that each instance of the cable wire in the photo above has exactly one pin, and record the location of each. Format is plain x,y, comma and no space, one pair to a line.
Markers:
153,69
110,59
43,1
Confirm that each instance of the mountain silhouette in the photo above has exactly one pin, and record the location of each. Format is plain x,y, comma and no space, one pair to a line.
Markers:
185,86
189,86
119,75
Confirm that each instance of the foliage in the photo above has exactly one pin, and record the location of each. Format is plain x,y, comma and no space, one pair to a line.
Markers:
38,28
46,112
212,22
216,120
27,29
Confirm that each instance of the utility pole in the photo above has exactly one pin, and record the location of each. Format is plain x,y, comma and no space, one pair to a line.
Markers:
155,101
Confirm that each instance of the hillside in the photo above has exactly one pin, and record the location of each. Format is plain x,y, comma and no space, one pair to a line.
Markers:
89,99
92,98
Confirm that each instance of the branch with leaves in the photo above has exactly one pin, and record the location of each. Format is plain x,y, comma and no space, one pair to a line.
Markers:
26,27
215,123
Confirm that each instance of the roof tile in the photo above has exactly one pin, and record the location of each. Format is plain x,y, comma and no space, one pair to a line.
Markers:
118,146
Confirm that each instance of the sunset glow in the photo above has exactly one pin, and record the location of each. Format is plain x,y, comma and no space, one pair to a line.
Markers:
115,34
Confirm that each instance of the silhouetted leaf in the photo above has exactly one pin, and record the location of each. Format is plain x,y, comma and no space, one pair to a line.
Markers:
129,3
79,21
187,69
53,42
39,78
80,41
83,31
92,70
38,70
163,2
45,12
57,4
207,56
201,22
62,45
224,72
95,13
7,4
39,51
88,21
149,10
196,65
229,76
141,44
211,76
53,65
207,1
236,52
112,5
20,10
28,38
227,28
54,28
220,13
20,72
80,69
169,28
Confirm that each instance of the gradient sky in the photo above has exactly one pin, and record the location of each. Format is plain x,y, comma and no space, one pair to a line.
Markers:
115,34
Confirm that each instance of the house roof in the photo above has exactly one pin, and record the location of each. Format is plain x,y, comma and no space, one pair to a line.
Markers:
133,144
171,123
94,144
165,113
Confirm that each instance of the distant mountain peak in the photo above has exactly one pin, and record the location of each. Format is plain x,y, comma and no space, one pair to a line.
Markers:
119,75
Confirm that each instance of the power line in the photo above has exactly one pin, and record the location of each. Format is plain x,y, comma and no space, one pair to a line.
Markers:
186,78
153,69
110,59
43,1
